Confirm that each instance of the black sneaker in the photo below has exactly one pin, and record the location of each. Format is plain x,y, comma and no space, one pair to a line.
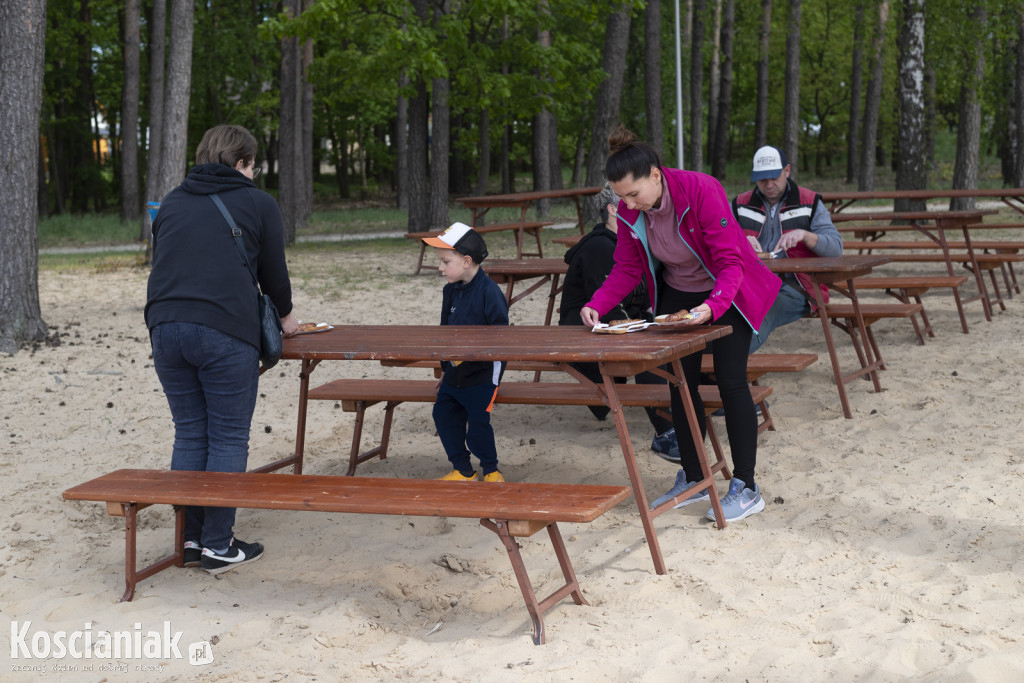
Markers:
237,554
193,554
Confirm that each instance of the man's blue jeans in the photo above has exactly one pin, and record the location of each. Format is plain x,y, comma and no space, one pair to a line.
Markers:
211,380
790,305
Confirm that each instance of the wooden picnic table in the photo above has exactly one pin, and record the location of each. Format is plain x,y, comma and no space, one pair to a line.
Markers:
828,271
933,225
616,356
510,271
1011,196
522,200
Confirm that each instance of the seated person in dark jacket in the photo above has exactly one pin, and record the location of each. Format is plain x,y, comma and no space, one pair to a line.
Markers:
590,261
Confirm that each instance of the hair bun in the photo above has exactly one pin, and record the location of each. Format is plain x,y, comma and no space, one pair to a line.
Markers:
620,139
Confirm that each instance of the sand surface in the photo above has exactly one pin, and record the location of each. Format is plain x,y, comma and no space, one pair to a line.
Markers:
891,547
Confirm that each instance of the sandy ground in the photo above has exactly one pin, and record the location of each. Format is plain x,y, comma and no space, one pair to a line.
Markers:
891,547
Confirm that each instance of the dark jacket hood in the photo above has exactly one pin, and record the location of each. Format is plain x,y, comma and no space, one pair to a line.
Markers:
599,232
213,178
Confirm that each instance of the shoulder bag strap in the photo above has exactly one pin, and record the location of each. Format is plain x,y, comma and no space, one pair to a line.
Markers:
237,232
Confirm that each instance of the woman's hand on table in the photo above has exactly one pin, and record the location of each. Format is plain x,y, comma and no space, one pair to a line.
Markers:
703,313
290,325
590,316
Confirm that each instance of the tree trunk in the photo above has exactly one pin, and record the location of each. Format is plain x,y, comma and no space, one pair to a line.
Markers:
306,159
485,151
130,114
418,181
402,146
154,155
714,78
761,108
912,169
542,120
856,85
1018,176
968,130
607,100
440,116
507,181
553,156
289,184
697,88
721,148
652,76
866,176
22,40
791,107
176,99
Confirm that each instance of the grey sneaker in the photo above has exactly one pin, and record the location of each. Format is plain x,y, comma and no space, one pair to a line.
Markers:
666,447
680,487
740,502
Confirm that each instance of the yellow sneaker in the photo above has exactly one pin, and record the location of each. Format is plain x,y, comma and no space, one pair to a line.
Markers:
494,476
455,475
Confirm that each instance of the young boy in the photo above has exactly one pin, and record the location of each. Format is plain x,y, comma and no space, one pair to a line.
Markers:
465,395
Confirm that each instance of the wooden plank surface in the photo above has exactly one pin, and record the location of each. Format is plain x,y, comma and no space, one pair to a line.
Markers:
419,497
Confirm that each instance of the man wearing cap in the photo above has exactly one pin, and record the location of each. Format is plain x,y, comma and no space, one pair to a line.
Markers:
788,221
466,393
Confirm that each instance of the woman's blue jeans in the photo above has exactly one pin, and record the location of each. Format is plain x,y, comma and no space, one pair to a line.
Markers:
211,380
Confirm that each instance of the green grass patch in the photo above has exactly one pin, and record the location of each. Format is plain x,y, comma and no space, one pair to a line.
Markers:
76,230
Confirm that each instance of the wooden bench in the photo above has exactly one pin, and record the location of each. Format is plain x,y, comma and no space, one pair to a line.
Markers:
843,317
511,510
529,227
1002,249
758,365
907,287
356,395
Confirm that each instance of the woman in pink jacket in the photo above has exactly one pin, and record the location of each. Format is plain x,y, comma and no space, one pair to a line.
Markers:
682,240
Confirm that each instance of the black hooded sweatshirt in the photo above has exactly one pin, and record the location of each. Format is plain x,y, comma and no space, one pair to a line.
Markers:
198,275
590,260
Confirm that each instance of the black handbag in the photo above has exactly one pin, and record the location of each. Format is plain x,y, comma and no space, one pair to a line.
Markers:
270,321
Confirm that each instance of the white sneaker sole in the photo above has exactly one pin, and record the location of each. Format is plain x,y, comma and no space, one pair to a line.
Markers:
231,565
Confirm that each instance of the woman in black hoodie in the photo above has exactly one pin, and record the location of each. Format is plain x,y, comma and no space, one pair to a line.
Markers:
204,328
590,260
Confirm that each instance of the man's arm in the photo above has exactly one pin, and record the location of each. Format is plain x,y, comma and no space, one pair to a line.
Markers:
822,238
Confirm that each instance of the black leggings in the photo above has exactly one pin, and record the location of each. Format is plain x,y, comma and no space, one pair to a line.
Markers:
730,355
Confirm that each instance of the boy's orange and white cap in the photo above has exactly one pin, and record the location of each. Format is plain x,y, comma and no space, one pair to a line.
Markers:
462,239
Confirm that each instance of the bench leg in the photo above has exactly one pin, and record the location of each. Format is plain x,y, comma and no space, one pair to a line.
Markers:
419,263
132,575
537,608
354,456
721,464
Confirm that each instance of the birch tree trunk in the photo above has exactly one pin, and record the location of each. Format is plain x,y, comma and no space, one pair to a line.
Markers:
130,114
22,40
761,107
866,176
791,107
968,130
912,167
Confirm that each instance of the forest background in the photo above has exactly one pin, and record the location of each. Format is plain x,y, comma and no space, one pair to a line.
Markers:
383,113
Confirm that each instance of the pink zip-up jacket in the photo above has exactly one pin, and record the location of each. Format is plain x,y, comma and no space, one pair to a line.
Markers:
708,229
